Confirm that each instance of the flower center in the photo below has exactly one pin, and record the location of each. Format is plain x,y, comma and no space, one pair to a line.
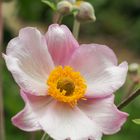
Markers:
66,85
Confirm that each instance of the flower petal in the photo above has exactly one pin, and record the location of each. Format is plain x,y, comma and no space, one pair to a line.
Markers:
98,64
61,121
108,81
61,43
29,60
26,120
64,122
104,113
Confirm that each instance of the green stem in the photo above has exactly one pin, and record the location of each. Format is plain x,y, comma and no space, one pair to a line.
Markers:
32,136
129,99
76,28
2,128
130,90
58,18
45,137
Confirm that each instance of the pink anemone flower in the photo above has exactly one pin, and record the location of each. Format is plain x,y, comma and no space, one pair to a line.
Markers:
67,88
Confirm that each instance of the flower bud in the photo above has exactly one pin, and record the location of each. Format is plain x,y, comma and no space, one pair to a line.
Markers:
134,68
86,12
64,7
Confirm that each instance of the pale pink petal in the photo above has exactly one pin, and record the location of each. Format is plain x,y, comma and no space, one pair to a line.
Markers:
107,81
61,43
26,120
66,122
61,121
28,59
98,64
104,113
35,102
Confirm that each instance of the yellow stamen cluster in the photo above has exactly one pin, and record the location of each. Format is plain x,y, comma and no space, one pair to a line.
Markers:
66,85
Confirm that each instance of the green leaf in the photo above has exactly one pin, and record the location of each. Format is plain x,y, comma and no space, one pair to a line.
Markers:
137,121
50,4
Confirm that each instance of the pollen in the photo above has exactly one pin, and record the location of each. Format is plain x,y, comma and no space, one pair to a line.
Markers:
66,85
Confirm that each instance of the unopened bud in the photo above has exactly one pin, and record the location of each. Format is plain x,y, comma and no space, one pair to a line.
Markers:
64,7
134,68
86,12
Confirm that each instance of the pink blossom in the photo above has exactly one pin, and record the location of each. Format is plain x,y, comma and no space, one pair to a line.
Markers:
67,88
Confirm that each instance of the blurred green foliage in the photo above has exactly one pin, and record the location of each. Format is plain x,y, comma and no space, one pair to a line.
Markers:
119,19
34,11
116,18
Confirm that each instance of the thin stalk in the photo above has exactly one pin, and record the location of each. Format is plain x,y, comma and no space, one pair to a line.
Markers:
57,18
76,29
2,128
60,18
32,136
130,90
45,137
129,99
